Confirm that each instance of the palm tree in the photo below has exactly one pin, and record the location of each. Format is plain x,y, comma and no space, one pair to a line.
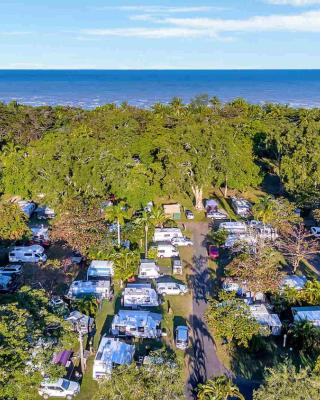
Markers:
88,305
145,219
218,388
117,213
263,210
125,264
158,217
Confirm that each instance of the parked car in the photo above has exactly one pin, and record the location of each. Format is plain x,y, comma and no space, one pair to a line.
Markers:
171,288
181,241
59,388
216,215
315,230
181,337
213,252
189,214
11,269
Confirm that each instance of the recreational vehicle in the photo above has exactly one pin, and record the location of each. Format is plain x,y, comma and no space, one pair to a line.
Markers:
167,250
148,269
31,254
100,270
240,206
99,289
136,323
166,234
140,295
235,227
111,352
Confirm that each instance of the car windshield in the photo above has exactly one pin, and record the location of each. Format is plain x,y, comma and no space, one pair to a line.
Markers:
65,384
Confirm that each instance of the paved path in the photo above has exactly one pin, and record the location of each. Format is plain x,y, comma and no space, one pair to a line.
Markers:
204,362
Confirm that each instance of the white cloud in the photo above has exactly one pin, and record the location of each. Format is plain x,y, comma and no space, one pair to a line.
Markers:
162,9
150,33
14,33
294,3
213,27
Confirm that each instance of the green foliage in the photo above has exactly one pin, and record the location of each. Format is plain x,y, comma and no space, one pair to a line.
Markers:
156,381
13,223
286,383
305,336
29,335
218,388
218,237
87,305
231,319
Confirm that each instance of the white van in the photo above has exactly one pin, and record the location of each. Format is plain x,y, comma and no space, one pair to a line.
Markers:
32,254
167,250
171,288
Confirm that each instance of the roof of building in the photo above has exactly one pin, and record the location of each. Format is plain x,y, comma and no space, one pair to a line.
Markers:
134,318
262,315
113,351
294,281
171,208
308,313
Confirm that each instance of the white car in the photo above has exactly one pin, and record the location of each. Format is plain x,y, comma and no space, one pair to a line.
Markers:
189,214
216,215
171,288
181,241
11,269
59,388
315,230
182,337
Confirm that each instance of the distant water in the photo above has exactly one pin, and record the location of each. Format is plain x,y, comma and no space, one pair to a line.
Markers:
91,88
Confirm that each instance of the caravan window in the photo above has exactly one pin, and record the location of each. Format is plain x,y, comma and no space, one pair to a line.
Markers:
161,251
143,273
12,255
141,329
27,254
167,235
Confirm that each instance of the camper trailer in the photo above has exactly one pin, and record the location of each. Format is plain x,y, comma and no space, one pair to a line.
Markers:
100,270
260,313
167,250
139,295
240,206
148,269
81,322
111,352
28,254
234,227
136,323
99,289
166,234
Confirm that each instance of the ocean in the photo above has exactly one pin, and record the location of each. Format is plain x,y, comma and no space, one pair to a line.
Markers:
91,88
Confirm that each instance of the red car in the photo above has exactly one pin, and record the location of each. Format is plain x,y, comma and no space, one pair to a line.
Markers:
213,252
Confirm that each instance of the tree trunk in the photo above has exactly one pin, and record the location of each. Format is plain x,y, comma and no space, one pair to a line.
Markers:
226,187
197,192
146,240
119,237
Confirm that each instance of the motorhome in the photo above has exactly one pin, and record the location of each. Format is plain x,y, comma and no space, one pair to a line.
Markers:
81,322
31,254
246,239
234,227
148,269
111,352
99,289
100,270
139,295
166,234
167,250
240,206
136,323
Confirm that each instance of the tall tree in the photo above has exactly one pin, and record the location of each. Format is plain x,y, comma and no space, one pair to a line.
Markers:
118,214
13,223
218,388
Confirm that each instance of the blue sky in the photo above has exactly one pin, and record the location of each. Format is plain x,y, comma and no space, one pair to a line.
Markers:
162,34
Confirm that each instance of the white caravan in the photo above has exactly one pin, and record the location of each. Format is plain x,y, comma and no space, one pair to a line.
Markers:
148,269
139,295
27,207
100,270
166,234
99,289
31,254
241,207
111,352
167,250
234,227
134,323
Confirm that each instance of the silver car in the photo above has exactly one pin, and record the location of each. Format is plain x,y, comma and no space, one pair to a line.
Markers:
182,337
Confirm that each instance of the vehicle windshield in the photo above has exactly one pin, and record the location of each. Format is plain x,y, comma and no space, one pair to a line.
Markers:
65,384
